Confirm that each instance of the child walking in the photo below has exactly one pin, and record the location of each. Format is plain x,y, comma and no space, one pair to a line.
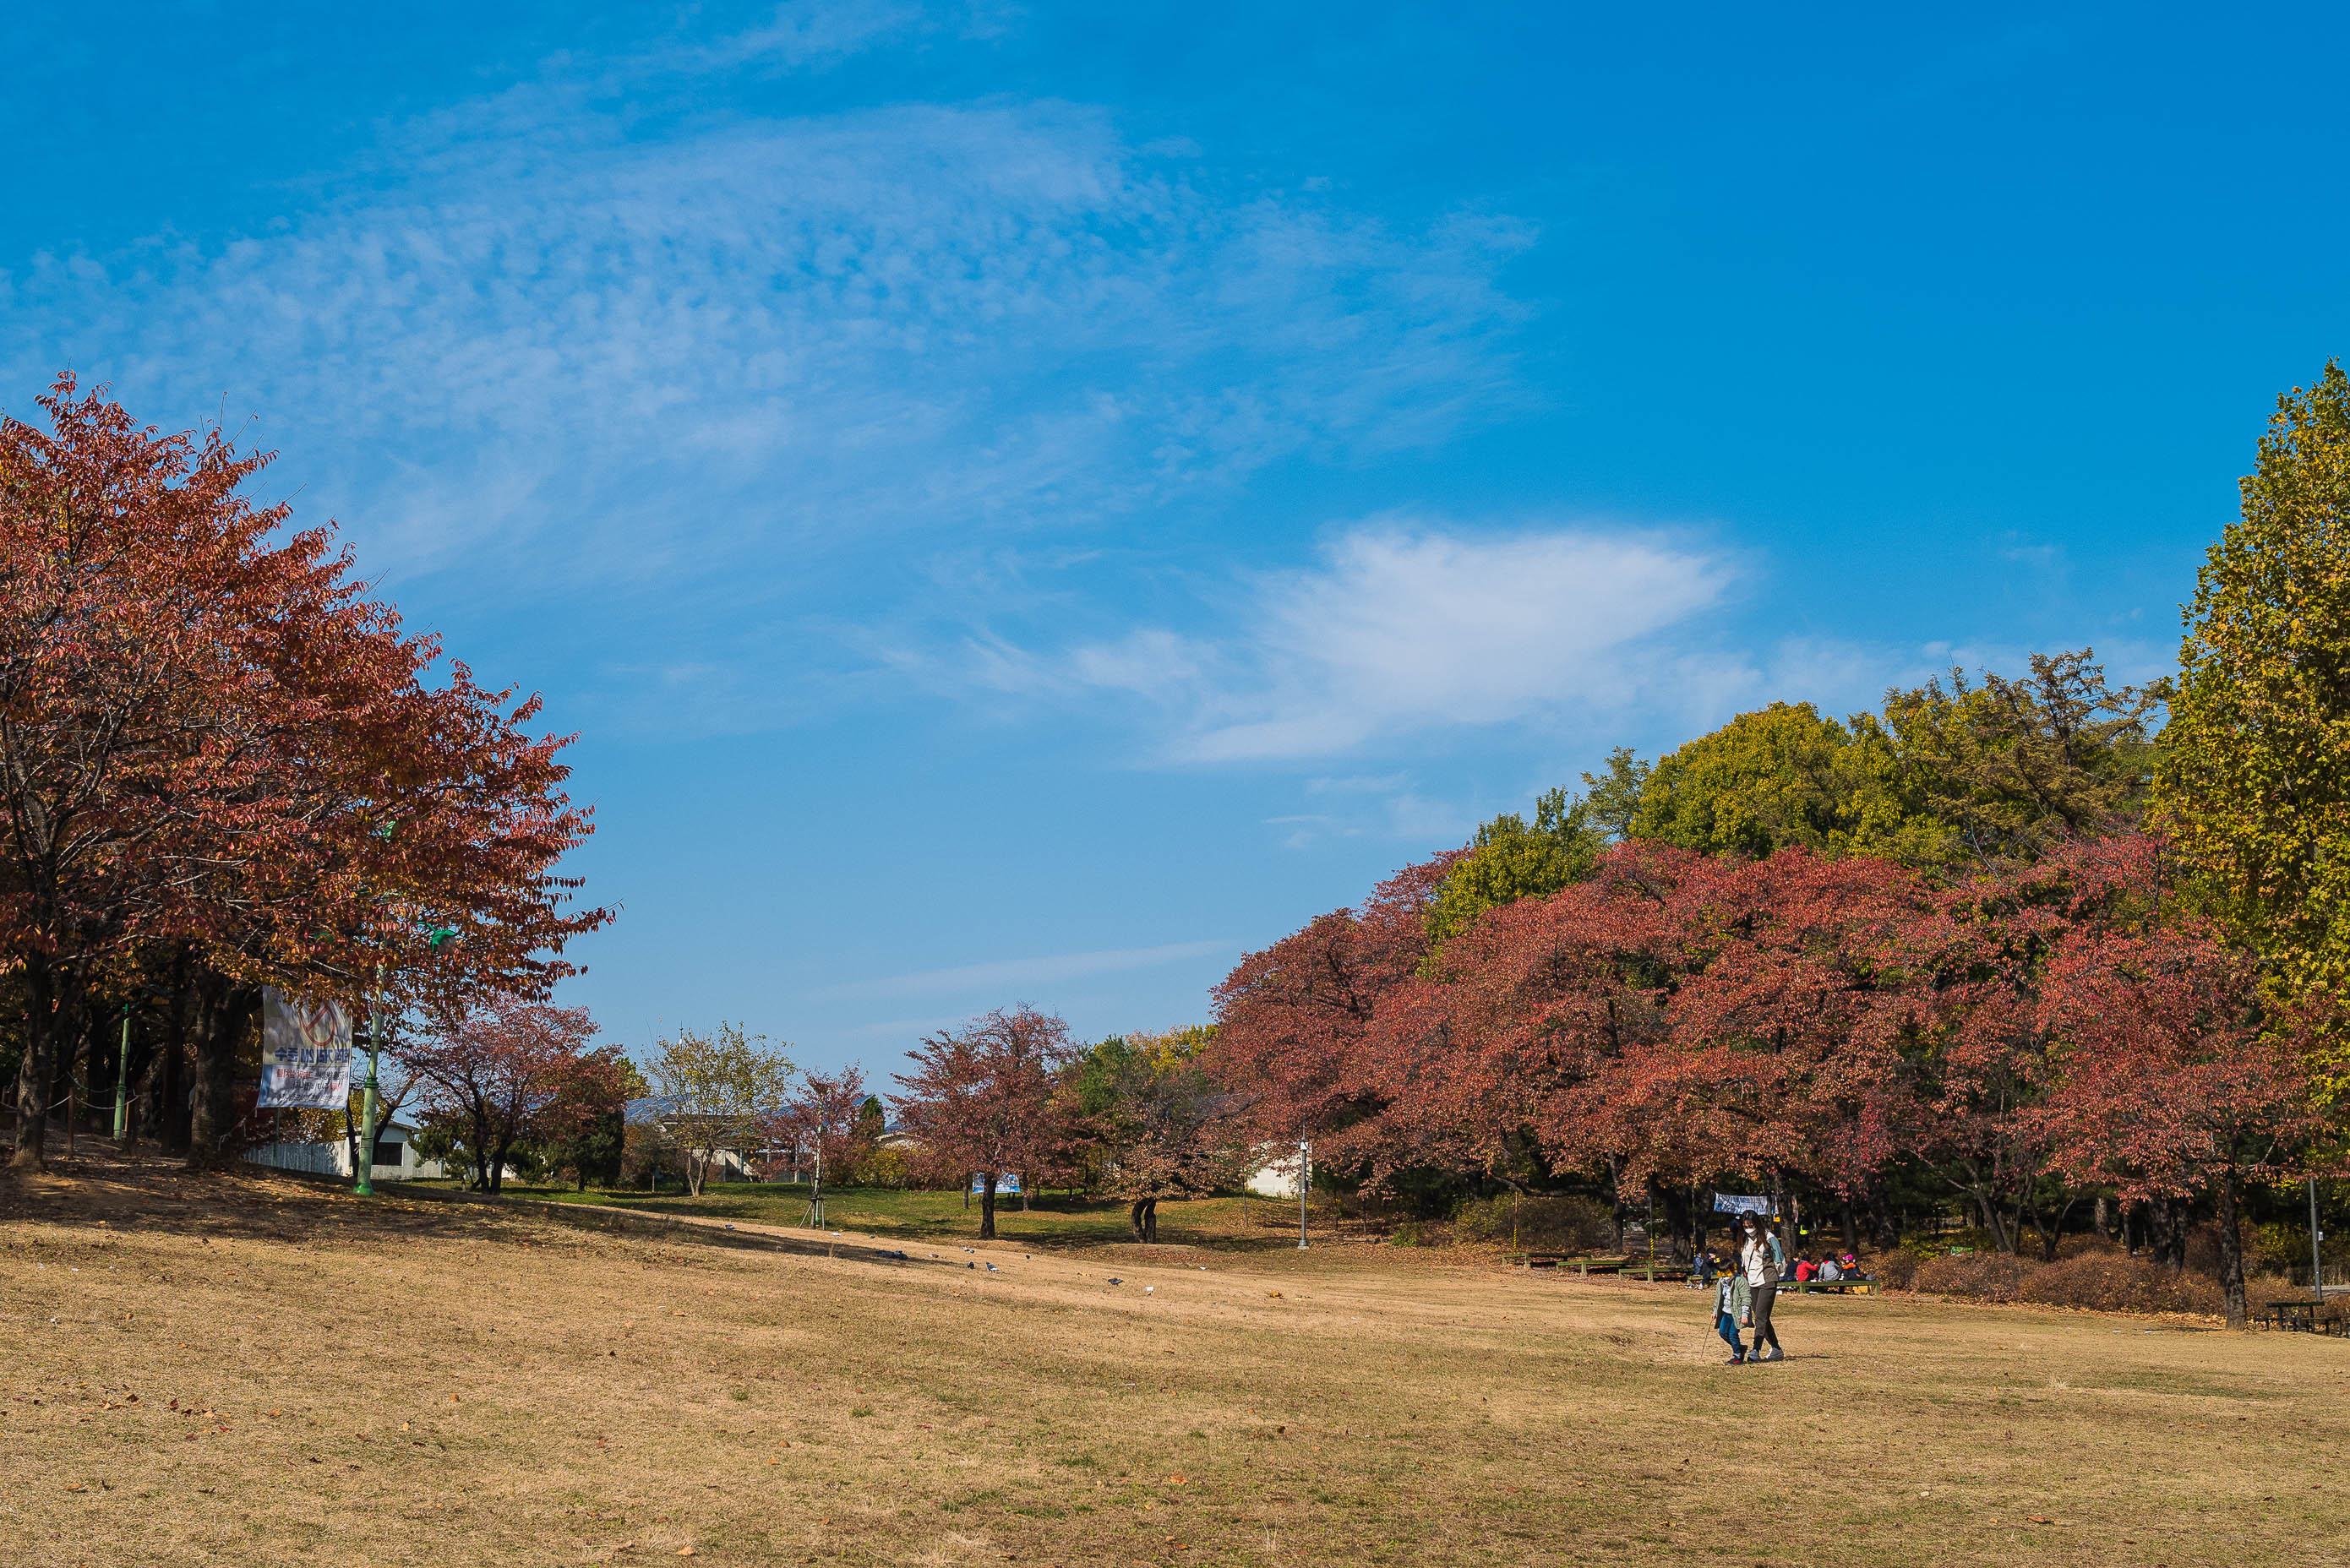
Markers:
1729,1308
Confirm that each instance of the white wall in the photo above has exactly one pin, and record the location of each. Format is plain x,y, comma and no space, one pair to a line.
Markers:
1276,1174
334,1160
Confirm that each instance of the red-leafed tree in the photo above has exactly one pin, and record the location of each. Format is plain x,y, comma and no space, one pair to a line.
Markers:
824,1117
2178,1077
1789,997
982,1099
212,744
493,1075
1983,1061
1673,1018
1293,1021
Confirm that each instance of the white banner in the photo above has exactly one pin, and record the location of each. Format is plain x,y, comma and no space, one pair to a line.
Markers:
1006,1181
1736,1203
306,1053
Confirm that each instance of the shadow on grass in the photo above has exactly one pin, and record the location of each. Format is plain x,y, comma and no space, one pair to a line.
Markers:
129,1193
1055,1222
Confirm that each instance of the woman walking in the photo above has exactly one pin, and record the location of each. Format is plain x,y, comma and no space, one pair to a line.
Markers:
1760,1261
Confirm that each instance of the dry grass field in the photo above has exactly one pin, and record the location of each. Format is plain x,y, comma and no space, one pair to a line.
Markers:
250,1370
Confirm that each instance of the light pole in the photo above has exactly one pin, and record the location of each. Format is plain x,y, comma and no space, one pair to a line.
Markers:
1304,1180
815,1195
123,1084
370,1103
2317,1255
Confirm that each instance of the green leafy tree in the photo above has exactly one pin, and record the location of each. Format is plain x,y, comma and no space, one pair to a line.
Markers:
1508,861
1166,1128
1612,798
720,1087
587,1135
2014,767
2254,789
1783,774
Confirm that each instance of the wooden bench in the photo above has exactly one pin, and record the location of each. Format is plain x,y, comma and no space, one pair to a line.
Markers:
1652,1269
2297,1317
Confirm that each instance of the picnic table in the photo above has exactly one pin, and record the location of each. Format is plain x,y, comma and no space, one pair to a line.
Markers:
1647,1267
2299,1317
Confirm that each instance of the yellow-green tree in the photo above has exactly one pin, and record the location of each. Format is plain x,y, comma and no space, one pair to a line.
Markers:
1508,861
1783,774
2255,788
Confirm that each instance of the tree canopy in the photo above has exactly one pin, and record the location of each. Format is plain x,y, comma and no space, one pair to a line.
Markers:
2254,786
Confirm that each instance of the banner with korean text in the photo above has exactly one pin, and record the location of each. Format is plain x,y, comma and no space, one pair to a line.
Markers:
306,1053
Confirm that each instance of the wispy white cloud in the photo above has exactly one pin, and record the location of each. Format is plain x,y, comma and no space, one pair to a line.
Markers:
1404,627
542,343
1010,973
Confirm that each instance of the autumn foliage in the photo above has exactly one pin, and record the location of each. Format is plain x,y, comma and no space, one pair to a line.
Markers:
1681,1020
224,763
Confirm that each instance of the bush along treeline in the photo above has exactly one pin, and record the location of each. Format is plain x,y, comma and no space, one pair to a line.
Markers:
2064,955
225,764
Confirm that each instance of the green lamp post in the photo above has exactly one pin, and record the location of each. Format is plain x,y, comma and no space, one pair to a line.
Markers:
370,1103
122,1084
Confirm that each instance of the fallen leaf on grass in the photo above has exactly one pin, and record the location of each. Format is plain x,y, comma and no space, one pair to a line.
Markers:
2037,1520
1175,1480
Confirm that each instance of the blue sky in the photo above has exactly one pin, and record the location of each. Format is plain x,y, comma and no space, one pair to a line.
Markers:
1026,503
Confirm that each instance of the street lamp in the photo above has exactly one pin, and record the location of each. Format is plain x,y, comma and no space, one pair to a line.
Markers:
1304,1180
371,1103
122,1085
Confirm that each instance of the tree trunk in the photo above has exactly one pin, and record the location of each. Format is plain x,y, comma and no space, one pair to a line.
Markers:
223,1011
1681,1219
2232,1247
1615,1203
2168,1220
35,1072
1150,1223
2103,1218
171,1108
1134,1217
78,1089
987,1208
1851,1227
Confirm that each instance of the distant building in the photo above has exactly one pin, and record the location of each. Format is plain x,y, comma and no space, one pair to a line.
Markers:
395,1157
1275,1174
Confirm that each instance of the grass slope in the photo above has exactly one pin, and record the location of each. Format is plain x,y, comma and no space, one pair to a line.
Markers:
422,1382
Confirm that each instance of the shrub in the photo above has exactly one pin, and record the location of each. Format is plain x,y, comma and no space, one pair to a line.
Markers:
1894,1271
2114,1281
2087,1244
2102,1279
1986,1276
1543,1224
